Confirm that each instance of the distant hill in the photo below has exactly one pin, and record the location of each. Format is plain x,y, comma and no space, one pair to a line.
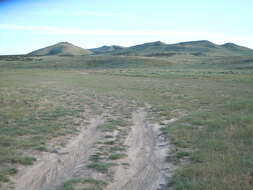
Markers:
106,49
62,48
234,47
202,48
195,48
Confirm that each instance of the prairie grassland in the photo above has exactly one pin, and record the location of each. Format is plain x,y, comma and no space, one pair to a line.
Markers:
213,104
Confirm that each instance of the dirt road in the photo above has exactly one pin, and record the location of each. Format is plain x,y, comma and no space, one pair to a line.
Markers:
55,168
144,168
146,157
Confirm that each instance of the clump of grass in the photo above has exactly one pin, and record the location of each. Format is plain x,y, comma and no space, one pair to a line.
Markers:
25,160
84,184
110,142
113,124
108,136
116,156
108,127
117,148
3,178
99,166
181,154
110,147
4,173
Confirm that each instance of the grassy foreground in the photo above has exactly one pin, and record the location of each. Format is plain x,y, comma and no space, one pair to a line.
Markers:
213,103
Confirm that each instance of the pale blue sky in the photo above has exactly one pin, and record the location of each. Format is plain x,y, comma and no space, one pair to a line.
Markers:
26,25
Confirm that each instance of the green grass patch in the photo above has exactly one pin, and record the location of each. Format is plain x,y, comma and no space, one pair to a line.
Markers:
99,166
211,96
117,156
84,184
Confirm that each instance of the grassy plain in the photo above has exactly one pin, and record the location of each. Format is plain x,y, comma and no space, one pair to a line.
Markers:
41,98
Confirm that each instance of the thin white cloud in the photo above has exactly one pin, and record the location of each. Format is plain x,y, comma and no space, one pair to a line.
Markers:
167,35
93,13
79,13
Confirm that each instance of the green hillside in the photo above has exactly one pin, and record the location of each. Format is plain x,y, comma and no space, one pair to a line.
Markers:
195,48
106,49
62,48
201,48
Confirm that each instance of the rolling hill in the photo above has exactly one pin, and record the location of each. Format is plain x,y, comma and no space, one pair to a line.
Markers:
195,48
202,48
106,49
62,48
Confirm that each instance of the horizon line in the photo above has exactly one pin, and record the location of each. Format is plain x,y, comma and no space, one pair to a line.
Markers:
127,46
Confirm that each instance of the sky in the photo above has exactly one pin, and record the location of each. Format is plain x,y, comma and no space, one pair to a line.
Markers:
26,25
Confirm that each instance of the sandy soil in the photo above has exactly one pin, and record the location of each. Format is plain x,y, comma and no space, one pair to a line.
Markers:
147,152
55,168
144,168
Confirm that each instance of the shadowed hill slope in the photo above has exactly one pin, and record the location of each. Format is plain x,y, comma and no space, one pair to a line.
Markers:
106,49
63,48
202,48
195,48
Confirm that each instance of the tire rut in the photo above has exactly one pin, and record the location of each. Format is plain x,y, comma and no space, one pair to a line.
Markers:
144,168
53,169
148,169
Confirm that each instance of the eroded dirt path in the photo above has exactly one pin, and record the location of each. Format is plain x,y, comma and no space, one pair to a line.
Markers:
55,168
148,169
144,167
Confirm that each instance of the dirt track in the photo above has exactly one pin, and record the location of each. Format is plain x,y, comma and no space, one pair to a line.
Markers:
54,168
146,157
146,167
